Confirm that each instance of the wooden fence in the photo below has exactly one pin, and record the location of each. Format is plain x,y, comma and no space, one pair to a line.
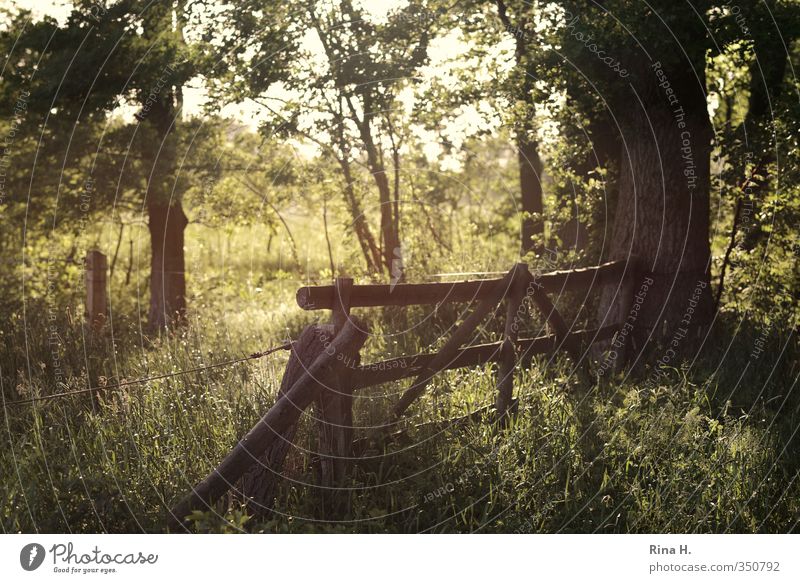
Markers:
324,368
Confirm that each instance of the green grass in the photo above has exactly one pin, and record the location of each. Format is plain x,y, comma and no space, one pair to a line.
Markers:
707,450
579,457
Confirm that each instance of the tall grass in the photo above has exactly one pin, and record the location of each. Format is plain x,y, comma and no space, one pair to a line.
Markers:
707,450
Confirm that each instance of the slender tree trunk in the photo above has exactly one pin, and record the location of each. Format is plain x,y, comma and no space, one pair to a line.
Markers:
328,235
530,165
662,214
364,235
167,265
116,250
390,251
530,174
766,84
392,254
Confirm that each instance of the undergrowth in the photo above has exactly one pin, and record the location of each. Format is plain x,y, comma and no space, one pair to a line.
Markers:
703,450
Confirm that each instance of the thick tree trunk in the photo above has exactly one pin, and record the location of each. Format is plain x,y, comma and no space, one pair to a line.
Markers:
662,214
530,175
167,265
166,220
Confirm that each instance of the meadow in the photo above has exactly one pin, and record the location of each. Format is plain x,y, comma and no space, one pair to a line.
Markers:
712,447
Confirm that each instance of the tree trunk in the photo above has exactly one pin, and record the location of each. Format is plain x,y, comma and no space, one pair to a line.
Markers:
167,265
662,214
364,235
392,254
530,165
603,137
766,85
530,174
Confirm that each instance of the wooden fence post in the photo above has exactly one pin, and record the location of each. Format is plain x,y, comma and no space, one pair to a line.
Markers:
96,298
508,355
334,408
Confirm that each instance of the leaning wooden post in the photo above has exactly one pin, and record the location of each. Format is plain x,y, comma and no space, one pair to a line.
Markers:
96,298
258,484
508,355
282,415
334,407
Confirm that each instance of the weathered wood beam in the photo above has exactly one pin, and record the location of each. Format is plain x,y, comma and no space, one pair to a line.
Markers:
334,413
482,415
551,343
395,369
258,484
408,294
403,294
284,413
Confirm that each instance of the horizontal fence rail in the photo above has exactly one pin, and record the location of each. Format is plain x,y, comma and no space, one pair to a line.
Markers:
322,297
395,369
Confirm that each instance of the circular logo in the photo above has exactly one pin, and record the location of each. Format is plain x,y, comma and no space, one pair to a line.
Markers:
31,556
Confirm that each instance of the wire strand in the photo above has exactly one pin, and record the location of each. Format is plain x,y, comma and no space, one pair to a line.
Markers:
252,356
